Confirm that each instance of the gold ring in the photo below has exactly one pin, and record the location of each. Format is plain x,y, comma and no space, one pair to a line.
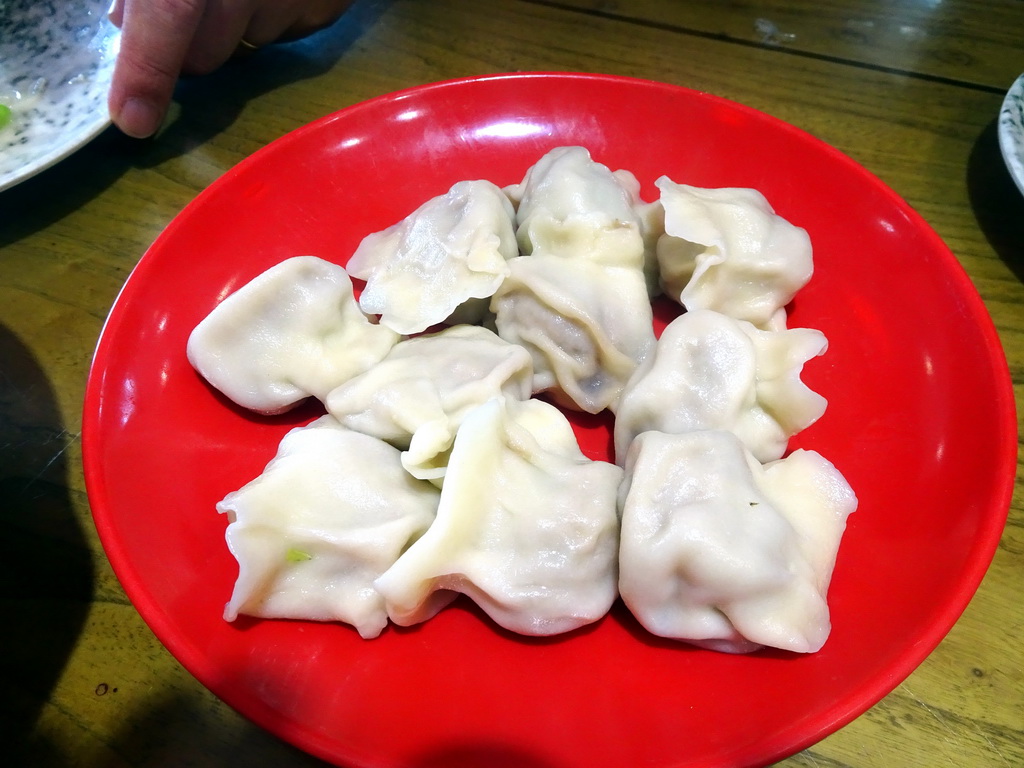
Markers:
246,45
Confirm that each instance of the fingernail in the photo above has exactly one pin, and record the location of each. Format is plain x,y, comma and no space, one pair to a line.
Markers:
139,118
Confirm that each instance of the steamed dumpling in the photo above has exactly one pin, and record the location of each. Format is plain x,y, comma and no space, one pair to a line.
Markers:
570,205
721,552
709,371
527,527
727,250
586,325
330,513
418,395
447,253
293,331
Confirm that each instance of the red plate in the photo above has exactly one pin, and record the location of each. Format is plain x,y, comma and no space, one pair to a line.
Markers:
921,421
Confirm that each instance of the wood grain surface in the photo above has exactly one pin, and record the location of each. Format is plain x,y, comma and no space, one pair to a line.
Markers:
911,90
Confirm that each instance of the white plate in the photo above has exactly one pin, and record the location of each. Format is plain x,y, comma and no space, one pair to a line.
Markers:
66,51
1011,131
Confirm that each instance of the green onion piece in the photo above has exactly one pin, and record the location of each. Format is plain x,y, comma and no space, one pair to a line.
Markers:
5,115
297,556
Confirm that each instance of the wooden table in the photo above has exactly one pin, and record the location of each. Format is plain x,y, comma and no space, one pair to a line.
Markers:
909,89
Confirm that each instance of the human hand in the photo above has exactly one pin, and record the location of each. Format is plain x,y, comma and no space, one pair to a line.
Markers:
162,39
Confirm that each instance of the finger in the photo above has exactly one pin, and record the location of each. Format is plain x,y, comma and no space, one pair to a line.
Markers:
292,20
155,36
216,38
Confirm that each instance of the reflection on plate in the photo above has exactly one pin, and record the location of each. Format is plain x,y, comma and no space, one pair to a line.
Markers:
1011,131
920,420
56,60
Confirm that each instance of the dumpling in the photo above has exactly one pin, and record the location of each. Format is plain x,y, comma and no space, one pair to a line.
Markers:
652,227
293,331
709,371
586,325
721,552
330,513
727,250
417,396
448,252
527,527
569,205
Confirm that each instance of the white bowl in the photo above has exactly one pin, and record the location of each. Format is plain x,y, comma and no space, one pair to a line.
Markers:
1011,131
56,61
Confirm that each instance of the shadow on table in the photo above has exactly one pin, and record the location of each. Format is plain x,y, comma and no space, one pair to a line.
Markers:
178,729
46,575
995,200
206,106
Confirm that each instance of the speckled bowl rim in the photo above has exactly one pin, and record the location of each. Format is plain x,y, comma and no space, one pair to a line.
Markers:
51,152
45,160
1011,131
